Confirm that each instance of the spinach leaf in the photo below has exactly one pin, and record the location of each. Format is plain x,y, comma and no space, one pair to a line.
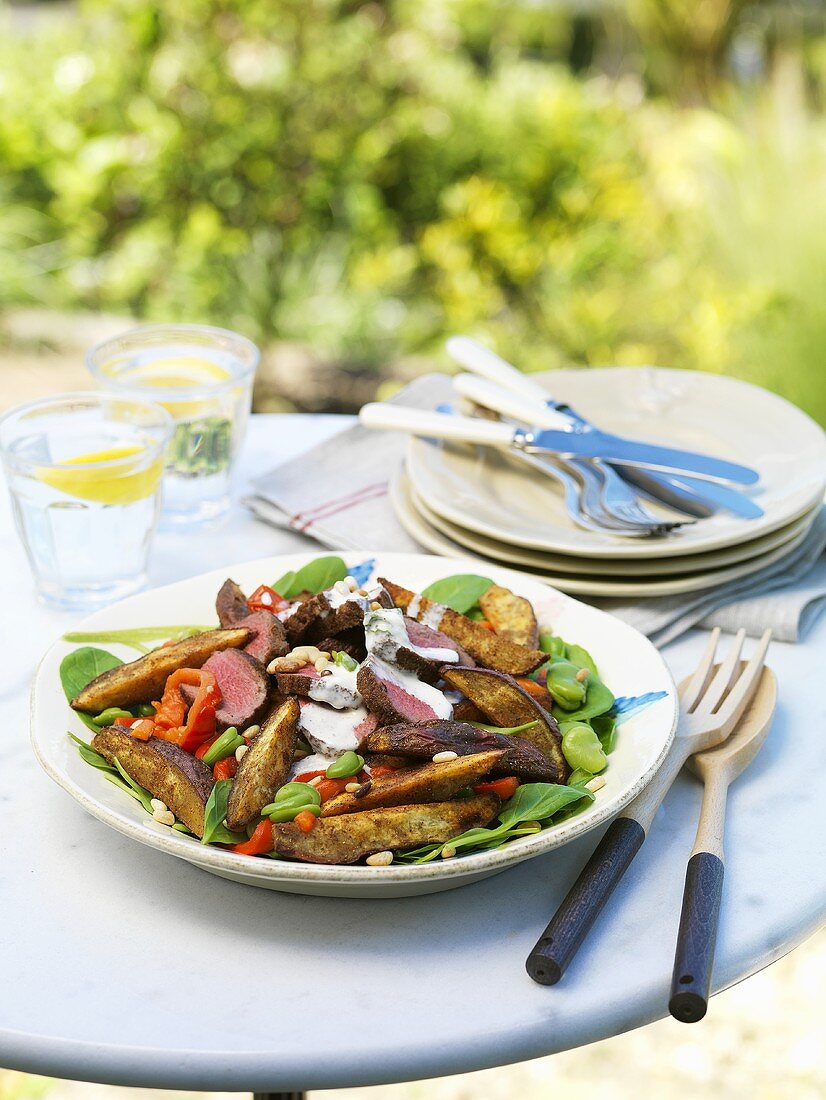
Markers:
553,645
90,755
315,576
581,658
79,668
537,802
605,727
598,700
461,592
215,831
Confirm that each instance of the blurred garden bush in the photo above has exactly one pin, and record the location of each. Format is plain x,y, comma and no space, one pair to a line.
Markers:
366,178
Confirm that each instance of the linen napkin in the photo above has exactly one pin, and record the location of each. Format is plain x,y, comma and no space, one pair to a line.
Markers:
337,494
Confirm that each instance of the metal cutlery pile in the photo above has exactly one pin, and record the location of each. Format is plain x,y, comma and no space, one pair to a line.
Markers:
607,481
726,710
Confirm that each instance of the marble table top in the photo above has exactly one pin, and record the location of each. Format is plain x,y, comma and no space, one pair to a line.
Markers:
121,965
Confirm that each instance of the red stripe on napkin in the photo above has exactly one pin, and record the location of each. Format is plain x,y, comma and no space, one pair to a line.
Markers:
303,521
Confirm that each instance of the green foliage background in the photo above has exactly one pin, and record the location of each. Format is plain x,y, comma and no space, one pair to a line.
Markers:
367,178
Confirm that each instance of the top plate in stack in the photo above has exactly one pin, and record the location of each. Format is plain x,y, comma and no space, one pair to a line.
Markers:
465,498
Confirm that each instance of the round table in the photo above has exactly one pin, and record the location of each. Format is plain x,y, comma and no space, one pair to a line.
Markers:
121,965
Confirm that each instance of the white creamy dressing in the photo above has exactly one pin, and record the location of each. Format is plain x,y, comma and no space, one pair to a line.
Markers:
331,732
288,612
337,687
317,762
411,683
432,616
385,633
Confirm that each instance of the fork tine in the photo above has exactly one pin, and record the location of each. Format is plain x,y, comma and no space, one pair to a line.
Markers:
697,684
725,675
741,694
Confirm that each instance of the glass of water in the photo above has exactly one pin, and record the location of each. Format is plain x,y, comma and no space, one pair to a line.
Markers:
203,377
84,472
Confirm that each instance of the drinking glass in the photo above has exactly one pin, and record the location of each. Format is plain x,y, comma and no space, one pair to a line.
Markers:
203,377
84,472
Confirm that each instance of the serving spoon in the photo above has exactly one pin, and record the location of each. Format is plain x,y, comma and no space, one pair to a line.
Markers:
718,768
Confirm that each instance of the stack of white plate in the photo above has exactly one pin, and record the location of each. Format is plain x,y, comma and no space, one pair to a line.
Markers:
462,500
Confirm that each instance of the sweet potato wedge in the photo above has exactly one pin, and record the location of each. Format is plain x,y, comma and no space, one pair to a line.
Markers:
431,783
511,616
264,768
348,837
487,648
143,680
507,704
167,771
422,740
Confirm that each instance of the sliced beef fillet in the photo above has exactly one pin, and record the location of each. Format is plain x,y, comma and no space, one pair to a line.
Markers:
268,637
316,619
425,637
245,688
398,696
230,604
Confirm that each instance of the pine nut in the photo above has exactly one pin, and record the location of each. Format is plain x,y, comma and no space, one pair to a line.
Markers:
241,752
380,859
314,782
164,817
351,583
156,804
251,731
595,784
443,757
582,675
321,664
351,787
448,852
375,605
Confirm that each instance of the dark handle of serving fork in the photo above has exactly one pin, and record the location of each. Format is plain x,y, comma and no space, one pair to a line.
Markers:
584,901
696,939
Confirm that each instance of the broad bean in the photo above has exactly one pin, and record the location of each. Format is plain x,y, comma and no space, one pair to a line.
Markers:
581,748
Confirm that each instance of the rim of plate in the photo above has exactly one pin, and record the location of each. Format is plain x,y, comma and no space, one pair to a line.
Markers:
193,851
532,559
418,528
803,423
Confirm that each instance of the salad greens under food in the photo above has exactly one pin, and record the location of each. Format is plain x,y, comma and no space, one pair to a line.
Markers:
334,717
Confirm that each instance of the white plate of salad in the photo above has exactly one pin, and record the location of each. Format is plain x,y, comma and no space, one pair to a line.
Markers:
351,725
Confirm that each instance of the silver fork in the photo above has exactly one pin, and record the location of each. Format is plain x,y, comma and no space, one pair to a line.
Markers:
711,704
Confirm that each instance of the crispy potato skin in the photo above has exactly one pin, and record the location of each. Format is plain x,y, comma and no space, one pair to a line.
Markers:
405,744
348,837
511,616
167,771
486,648
143,680
264,768
431,783
507,704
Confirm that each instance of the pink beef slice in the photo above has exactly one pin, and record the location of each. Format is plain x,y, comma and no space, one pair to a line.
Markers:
389,700
245,688
428,638
268,637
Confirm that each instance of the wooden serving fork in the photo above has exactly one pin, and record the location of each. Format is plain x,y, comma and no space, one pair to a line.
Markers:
718,768
712,703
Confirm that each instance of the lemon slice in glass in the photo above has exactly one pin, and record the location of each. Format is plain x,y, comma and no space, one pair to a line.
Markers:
84,478
180,372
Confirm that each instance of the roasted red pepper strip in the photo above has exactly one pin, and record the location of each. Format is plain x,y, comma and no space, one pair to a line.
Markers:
305,777
226,768
202,750
305,821
259,843
265,598
142,729
505,788
200,721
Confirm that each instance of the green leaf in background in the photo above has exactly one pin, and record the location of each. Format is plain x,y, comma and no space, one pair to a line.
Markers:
137,637
135,789
581,658
315,576
79,668
90,755
461,592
